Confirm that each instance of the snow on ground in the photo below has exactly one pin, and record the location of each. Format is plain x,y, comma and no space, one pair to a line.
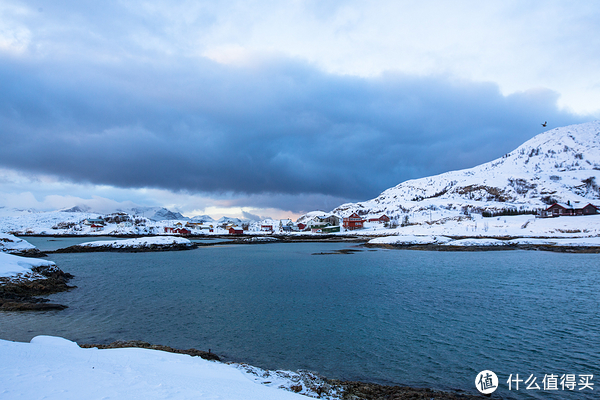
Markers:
404,240
57,369
588,242
303,382
477,242
139,242
407,240
477,226
13,244
13,265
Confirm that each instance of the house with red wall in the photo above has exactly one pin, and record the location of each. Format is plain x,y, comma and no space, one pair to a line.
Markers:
381,220
354,221
235,230
558,209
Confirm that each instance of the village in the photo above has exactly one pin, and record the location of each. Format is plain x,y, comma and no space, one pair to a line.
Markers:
312,223
324,223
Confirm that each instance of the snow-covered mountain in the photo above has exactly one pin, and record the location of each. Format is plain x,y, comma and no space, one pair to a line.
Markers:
78,209
155,213
202,219
231,220
560,165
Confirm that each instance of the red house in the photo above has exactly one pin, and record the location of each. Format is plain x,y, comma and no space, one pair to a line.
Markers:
381,220
181,231
97,228
234,230
590,209
353,222
556,210
301,226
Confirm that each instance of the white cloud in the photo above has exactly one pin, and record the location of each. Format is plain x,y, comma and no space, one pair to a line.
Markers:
14,35
514,44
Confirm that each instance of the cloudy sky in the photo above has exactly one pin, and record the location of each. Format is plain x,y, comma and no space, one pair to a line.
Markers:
276,107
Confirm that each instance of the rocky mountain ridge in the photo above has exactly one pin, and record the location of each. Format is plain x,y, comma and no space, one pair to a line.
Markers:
561,165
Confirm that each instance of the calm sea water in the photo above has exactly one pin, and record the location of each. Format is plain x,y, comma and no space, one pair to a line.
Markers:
431,319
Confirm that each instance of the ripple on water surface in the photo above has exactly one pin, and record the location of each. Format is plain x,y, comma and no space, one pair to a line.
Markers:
431,319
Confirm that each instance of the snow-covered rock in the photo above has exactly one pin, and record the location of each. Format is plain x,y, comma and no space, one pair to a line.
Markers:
408,240
151,243
11,266
138,242
14,245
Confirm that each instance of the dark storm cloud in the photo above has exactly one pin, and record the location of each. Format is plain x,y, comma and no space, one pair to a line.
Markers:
280,126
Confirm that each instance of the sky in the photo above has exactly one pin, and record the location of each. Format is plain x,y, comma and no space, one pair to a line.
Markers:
276,108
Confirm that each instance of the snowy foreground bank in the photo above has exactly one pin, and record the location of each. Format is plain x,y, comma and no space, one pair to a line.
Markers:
55,368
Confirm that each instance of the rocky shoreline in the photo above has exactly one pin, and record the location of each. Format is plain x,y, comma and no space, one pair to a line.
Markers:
536,247
371,391
20,293
207,355
309,383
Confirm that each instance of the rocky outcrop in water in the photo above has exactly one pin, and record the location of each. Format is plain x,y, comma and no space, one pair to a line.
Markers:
19,293
130,249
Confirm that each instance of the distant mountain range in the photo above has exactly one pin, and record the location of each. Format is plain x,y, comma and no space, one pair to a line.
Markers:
153,213
560,165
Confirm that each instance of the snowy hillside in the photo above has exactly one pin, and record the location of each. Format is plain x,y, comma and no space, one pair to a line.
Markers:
77,221
561,165
29,221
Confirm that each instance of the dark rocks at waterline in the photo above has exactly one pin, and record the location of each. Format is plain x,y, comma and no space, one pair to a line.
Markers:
19,293
341,251
372,391
131,249
33,253
207,355
538,247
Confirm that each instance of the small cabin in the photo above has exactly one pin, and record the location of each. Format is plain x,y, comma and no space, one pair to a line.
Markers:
558,210
330,219
235,230
180,231
384,218
96,228
590,209
94,221
354,221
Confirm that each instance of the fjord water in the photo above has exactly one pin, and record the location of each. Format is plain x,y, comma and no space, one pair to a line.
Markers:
421,318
